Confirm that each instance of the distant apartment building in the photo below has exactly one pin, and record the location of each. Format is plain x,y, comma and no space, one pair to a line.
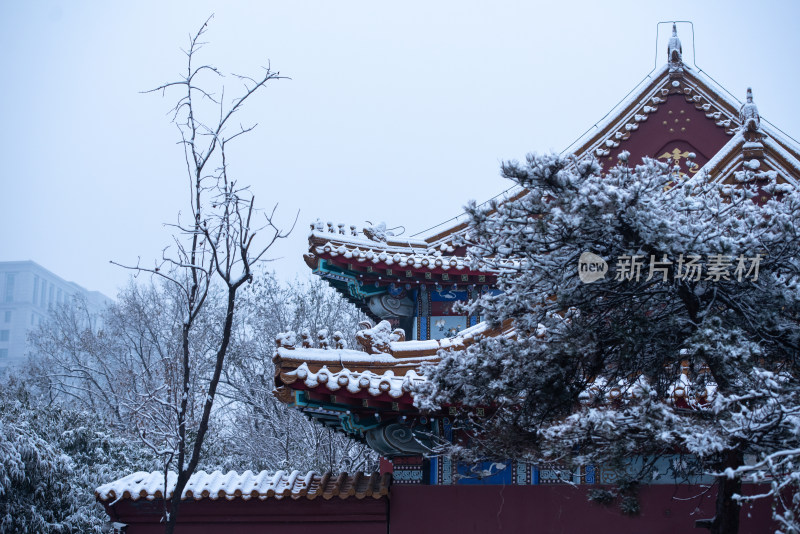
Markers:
28,292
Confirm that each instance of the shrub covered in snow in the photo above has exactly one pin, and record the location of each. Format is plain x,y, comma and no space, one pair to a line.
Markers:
51,460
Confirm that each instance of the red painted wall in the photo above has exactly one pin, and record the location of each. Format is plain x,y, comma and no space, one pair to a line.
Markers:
285,516
545,509
553,510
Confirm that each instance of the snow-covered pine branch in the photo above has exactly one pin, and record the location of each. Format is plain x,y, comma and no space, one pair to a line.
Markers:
688,342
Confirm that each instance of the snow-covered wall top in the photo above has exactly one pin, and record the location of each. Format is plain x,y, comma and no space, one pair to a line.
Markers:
248,485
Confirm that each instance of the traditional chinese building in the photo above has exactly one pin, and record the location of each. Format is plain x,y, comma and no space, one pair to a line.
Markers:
678,116
411,287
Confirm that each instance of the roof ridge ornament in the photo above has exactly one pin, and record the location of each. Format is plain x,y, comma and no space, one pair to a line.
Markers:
675,53
748,113
751,128
379,232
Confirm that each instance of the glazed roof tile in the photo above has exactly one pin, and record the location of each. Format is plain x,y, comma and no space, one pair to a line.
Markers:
399,355
353,381
248,485
393,372
380,253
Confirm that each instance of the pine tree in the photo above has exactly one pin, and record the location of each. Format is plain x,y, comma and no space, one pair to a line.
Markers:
653,312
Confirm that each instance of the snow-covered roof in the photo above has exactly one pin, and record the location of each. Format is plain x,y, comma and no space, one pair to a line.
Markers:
354,381
789,160
359,238
639,97
395,372
615,127
733,146
728,160
248,485
404,355
620,124
372,235
392,371
374,253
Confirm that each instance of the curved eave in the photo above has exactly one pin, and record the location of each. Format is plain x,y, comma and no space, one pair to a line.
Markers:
353,372
776,158
455,267
358,273
394,264
343,396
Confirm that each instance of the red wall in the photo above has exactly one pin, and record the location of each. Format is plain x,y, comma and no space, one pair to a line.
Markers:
545,509
554,509
284,516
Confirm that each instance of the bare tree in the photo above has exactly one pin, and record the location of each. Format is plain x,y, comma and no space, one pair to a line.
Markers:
277,436
216,249
122,366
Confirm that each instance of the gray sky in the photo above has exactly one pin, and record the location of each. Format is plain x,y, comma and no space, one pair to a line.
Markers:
396,112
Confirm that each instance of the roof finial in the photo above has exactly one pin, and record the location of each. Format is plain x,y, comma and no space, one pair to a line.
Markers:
675,52
748,113
753,147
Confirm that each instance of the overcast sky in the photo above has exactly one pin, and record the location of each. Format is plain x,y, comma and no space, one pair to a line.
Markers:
396,111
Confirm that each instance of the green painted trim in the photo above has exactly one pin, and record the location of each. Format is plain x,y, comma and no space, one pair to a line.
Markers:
346,420
355,287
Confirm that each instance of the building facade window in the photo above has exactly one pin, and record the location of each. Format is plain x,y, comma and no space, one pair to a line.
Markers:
10,279
35,289
43,294
4,335
7,316
3,354
50,297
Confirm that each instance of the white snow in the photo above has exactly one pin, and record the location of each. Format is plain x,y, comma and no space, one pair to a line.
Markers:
354,381
232,485
345,356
